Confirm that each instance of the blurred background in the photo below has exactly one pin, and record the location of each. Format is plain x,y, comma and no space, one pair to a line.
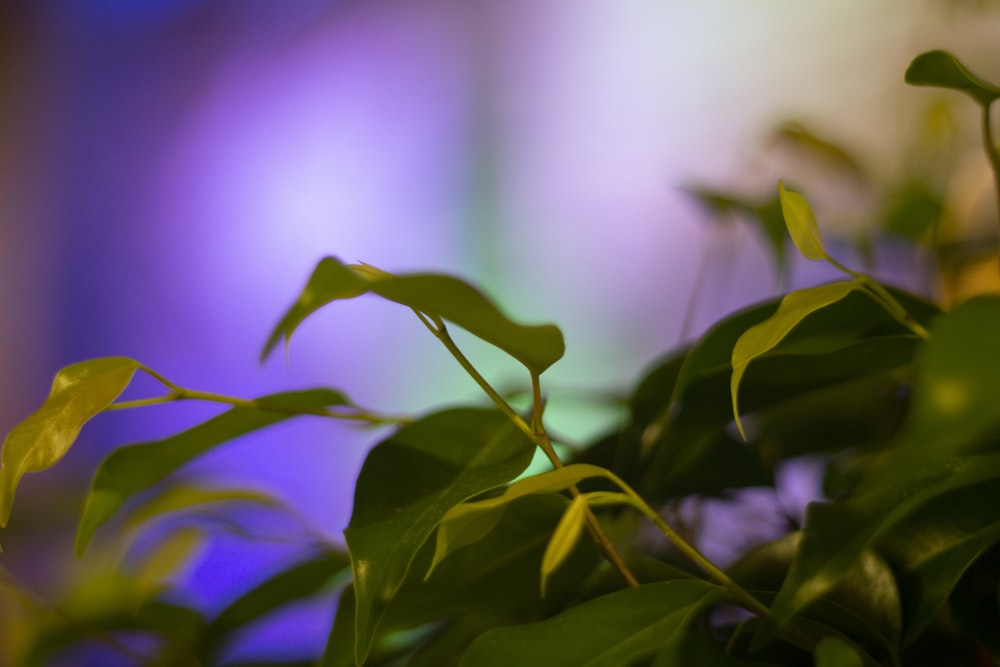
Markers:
172,170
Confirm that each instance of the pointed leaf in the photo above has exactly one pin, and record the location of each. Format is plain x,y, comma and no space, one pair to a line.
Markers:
182,497
609,631
408,483
836,534
940,69
801,224
469,522
761,338
537,347
134,468
564,538
79,392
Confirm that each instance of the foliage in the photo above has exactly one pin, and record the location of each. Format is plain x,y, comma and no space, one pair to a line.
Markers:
456,557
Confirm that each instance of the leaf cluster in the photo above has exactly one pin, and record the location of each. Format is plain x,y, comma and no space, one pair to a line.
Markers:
455,556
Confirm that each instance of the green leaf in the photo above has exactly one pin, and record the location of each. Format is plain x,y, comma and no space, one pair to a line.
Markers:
537,347
79,392
766,216
166,557
180,497
932,548
612,630
469,522
801,224
287,586
564,538
133,469
958,379
763,337
836,534
834,652
408,483
940,69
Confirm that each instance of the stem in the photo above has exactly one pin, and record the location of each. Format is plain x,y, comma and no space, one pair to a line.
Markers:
535,432
593,526
885,299
181,394
993,156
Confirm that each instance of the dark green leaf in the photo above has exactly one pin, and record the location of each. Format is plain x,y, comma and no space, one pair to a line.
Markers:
537,347
406,486
611,631
766,216
940,69
762,338
958,379
133,469
78,393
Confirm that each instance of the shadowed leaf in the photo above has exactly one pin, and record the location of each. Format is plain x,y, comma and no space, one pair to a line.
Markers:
408,483
133,469
609,631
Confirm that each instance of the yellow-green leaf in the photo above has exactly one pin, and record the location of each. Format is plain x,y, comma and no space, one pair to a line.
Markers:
564,537
759,339
79,392
801,224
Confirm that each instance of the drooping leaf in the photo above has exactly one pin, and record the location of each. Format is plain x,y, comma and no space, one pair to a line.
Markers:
610,631
79,392
408,483
763,337
133,469
537,347
564,538
801,224
941,69
469,522
290,585
821,148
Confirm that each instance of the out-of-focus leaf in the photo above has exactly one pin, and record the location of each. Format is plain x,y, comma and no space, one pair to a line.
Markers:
180,497
537,347
958,379
835,652
801,224
79,392
762,338
135,468
941,69
610,631
766,216
168,555
293,584
828,152
914,212
408,483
